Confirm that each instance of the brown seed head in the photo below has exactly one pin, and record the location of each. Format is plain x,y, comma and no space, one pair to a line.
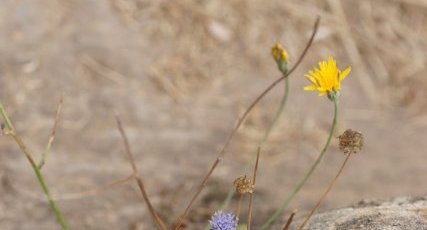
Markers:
351,141
244,185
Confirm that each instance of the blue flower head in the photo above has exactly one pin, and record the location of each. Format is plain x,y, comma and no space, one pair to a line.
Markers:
223,221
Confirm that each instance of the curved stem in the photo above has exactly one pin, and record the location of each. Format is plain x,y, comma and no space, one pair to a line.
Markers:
35,167
285,204
278,113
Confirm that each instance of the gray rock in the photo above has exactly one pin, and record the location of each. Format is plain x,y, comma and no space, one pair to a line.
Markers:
403,213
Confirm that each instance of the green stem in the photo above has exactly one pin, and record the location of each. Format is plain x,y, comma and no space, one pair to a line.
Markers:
36,169
285,204
6,117
278,113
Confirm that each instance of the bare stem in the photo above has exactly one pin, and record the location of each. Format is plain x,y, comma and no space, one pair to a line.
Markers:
36,169
52,135
240,121
289,222
251,196
239,205
138,179
325,193
95,191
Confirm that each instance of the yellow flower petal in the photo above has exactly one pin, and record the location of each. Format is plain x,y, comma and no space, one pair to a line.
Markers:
310,87
326,78
344,73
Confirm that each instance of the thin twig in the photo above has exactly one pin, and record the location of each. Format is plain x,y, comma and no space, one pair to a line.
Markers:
240,121
94,191
138,179
289,222
325,193
52,135
239,205
251,196
74,195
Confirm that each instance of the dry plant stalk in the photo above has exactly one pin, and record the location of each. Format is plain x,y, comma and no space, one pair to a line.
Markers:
240,121
325,193
251,195
239,205
52,134
94,191
138,179
289,222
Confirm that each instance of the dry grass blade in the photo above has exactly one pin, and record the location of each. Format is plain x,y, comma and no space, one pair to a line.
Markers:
239,205
325,193
72,195
52,134
251,196
240,121
289,222
138,179
94,191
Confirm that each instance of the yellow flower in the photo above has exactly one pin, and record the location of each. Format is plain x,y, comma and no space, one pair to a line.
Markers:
279,54
327,79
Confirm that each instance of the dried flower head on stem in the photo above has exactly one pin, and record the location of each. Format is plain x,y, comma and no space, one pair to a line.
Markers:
351,141
243,185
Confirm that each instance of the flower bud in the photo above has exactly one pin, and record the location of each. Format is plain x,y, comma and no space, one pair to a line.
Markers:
281,57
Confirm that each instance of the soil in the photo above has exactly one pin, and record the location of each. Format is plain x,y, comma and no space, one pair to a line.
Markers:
179,75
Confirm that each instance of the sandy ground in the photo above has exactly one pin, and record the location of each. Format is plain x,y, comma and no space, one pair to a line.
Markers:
179,74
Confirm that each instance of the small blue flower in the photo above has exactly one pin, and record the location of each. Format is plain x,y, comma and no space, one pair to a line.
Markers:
223,221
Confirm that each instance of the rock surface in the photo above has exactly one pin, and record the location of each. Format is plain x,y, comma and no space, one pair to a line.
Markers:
403,213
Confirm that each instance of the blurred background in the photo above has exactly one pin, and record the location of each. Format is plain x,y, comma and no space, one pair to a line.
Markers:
179,74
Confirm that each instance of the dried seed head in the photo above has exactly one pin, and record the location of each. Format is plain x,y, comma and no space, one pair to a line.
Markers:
351,141
244,185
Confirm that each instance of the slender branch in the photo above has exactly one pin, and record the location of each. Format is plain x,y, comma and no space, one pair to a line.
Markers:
251,196
240,121
239,205
285,204
94,191
325,193
52,135
138,179
278,113
36,169
289,222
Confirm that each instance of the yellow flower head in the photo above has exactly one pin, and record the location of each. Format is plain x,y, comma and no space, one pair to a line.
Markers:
279,53
327,79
